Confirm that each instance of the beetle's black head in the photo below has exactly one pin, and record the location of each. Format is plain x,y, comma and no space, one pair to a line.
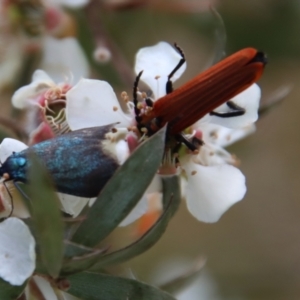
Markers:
14,168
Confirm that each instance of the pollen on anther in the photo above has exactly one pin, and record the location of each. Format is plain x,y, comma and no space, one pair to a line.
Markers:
114,130
125,97
140,105
148,110
193,173
115,108
157,77
144,130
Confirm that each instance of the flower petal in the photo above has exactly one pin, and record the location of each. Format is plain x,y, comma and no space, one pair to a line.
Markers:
17,251
72,205
40,82
212,190
158,61
8,146
137,212
69,3
142,206
223,136
93,103
213,155
12,201
122,151
45,288
249,100
63,58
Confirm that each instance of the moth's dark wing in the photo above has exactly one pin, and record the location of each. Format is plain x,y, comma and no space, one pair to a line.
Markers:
77,161
92,132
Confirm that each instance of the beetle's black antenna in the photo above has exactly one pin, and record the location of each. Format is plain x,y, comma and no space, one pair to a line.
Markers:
236,111
21,191
135,97
169,85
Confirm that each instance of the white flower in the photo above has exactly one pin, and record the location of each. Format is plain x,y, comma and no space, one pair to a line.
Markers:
157,62
94,103
17,251
213,183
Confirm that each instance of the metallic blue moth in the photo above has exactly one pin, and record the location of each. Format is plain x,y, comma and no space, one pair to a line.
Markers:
77,162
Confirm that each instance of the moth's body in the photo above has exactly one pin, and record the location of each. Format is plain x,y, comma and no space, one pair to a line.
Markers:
77,162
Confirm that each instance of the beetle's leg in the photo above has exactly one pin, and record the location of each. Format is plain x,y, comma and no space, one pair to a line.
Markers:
192,144
21,191
236,111
135,96
169,85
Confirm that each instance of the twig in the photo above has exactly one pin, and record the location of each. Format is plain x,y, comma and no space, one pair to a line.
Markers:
102,37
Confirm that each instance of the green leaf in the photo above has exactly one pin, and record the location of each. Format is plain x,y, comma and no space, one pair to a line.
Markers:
90,286
171,197
46,215
72,249
81,263
9,292
122,192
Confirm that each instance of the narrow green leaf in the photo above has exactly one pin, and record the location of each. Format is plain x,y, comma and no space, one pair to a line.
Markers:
81,263
9,292
90,286
72,249
46,216
172,199
74,257
122,192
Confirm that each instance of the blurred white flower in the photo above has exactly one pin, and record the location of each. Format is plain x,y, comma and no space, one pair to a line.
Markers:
197,285
62,55
63,58
68,3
